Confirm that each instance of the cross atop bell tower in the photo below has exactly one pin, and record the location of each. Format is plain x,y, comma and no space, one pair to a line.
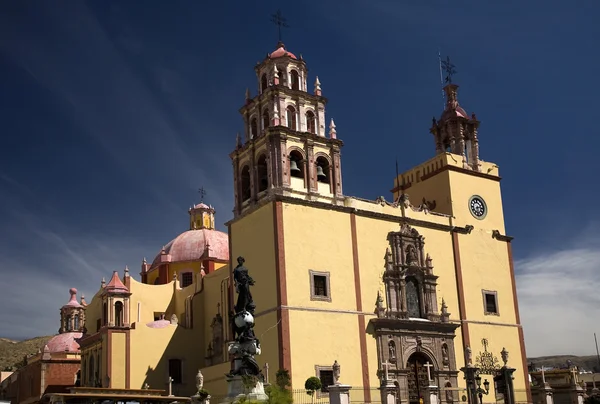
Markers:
285,148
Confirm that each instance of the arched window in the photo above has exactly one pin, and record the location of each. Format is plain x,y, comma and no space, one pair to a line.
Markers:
413,298
263,176
295,80
69,324
119,314
253,128
290,115
296,165
245,191
449,395
263,83
322,170
76,322
266,120
311,122
105,314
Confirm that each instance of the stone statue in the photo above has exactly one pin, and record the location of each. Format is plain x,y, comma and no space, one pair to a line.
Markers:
336,372
469,355
504,355
445,359
392,349
243,281
246,345
199,381
411,255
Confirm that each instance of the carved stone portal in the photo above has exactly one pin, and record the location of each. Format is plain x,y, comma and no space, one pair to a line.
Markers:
412,353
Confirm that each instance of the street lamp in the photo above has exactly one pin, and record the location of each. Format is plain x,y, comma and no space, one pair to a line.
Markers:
480,392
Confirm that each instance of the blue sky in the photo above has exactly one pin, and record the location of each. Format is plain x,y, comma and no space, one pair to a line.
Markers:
113,114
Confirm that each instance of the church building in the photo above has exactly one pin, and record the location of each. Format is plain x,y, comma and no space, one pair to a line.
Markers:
385,288
403,290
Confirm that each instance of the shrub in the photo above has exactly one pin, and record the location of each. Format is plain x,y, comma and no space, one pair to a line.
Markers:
312,384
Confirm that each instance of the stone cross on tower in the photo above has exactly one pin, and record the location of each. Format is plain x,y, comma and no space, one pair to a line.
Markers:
543,376
428,366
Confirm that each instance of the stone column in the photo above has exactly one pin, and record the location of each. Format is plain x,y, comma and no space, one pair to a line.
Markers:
470,374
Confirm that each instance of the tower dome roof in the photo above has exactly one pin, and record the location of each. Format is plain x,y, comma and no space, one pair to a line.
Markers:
194,245
280,52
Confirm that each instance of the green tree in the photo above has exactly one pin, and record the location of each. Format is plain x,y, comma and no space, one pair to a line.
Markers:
312,385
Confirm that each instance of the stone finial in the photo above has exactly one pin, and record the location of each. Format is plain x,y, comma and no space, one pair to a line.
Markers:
174,277
336,372
247,94
317,86
238,140
504,355
428,261
82,300
146,386
163,251
126,271
469,355
174,319
144,262
103,283
199,381
332,131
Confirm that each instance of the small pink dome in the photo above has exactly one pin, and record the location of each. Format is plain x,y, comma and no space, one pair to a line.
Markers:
73,301
280,52
66,342
195,245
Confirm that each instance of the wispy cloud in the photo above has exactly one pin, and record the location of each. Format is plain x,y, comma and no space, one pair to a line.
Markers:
35,285
559,298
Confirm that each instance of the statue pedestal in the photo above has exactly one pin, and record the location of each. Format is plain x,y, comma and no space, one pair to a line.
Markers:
577,394
432,394
339,394
237,390
388,393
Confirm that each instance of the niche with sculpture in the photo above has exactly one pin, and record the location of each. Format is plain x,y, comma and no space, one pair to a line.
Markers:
409,280
214,350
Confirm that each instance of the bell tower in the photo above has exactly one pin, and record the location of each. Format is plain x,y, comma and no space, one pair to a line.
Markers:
285,149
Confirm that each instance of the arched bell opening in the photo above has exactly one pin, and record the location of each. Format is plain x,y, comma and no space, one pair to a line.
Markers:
295,80
119,314
263,83
420,370
253,128
322,170
290,117
311,122
296,166
245,179
266,119
263,175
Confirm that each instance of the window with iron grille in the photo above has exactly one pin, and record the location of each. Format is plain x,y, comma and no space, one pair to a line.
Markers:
187,278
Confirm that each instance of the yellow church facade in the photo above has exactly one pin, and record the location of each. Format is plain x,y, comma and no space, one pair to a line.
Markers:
388,289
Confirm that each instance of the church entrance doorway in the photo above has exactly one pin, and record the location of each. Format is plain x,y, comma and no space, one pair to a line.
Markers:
417,377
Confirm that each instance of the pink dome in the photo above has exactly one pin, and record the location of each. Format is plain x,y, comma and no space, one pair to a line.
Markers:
66,342
280,52
195,245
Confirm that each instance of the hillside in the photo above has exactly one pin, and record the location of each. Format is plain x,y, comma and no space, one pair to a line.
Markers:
589,363
13,352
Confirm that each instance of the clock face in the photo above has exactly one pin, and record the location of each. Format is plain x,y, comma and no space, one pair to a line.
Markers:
477,207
